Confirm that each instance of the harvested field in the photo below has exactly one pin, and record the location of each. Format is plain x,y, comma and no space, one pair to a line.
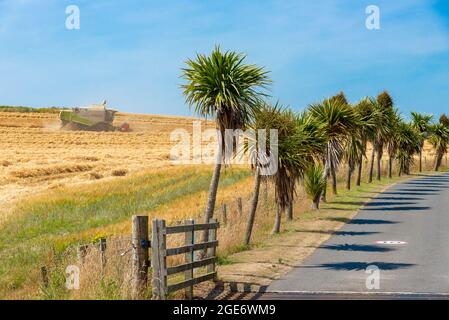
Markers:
36,155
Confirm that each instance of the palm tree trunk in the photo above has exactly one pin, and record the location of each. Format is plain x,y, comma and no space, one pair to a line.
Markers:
438,159
316,203
371,166
379,159
325,176
252,212
420,160
290,211
323,194
359,172
390,167
348,178
334,180
209,213
265,194
277,221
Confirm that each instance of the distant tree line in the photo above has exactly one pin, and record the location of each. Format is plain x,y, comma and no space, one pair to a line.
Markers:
30,109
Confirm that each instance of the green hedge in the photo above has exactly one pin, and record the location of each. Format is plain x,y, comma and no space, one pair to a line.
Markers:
29,109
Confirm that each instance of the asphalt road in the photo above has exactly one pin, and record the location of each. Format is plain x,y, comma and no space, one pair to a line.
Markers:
415,216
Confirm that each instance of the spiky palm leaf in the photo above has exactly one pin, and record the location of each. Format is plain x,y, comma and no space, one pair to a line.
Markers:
314,182
338,121
408,143
439,138
393,119
381,118
223,86
367,118
444,120
421,122
300,141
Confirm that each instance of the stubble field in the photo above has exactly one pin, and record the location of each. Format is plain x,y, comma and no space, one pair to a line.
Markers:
36,155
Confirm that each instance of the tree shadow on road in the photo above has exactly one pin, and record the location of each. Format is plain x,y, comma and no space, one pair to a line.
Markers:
398,198
416,189
361,221
412,193
339,233
356,247
355,266
397,208
427,184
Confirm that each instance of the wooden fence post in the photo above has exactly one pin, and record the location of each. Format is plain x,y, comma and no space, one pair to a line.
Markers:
81,254
212,251
103,254
266,191
189,258
240,206
44,276
224,213
140,260
159,260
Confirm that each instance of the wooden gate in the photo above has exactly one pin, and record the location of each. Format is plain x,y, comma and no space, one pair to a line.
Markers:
160,252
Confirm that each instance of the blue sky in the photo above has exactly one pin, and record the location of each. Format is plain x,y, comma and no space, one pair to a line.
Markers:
130,52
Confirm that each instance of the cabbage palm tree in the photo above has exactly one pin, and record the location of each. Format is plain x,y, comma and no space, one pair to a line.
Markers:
439,139
367,118
297,148
339,98
223,86
407,143
355,148
267,118
286,174
338,121
381,108
309,142
393,121
314,184
444,120
353,152
384,126
421,122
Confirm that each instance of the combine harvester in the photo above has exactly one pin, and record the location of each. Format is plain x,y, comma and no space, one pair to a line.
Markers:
96,117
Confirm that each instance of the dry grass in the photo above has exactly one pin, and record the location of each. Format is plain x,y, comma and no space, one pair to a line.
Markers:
37,156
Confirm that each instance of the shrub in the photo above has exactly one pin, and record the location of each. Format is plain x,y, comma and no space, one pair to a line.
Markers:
95,175
119,172
314,184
